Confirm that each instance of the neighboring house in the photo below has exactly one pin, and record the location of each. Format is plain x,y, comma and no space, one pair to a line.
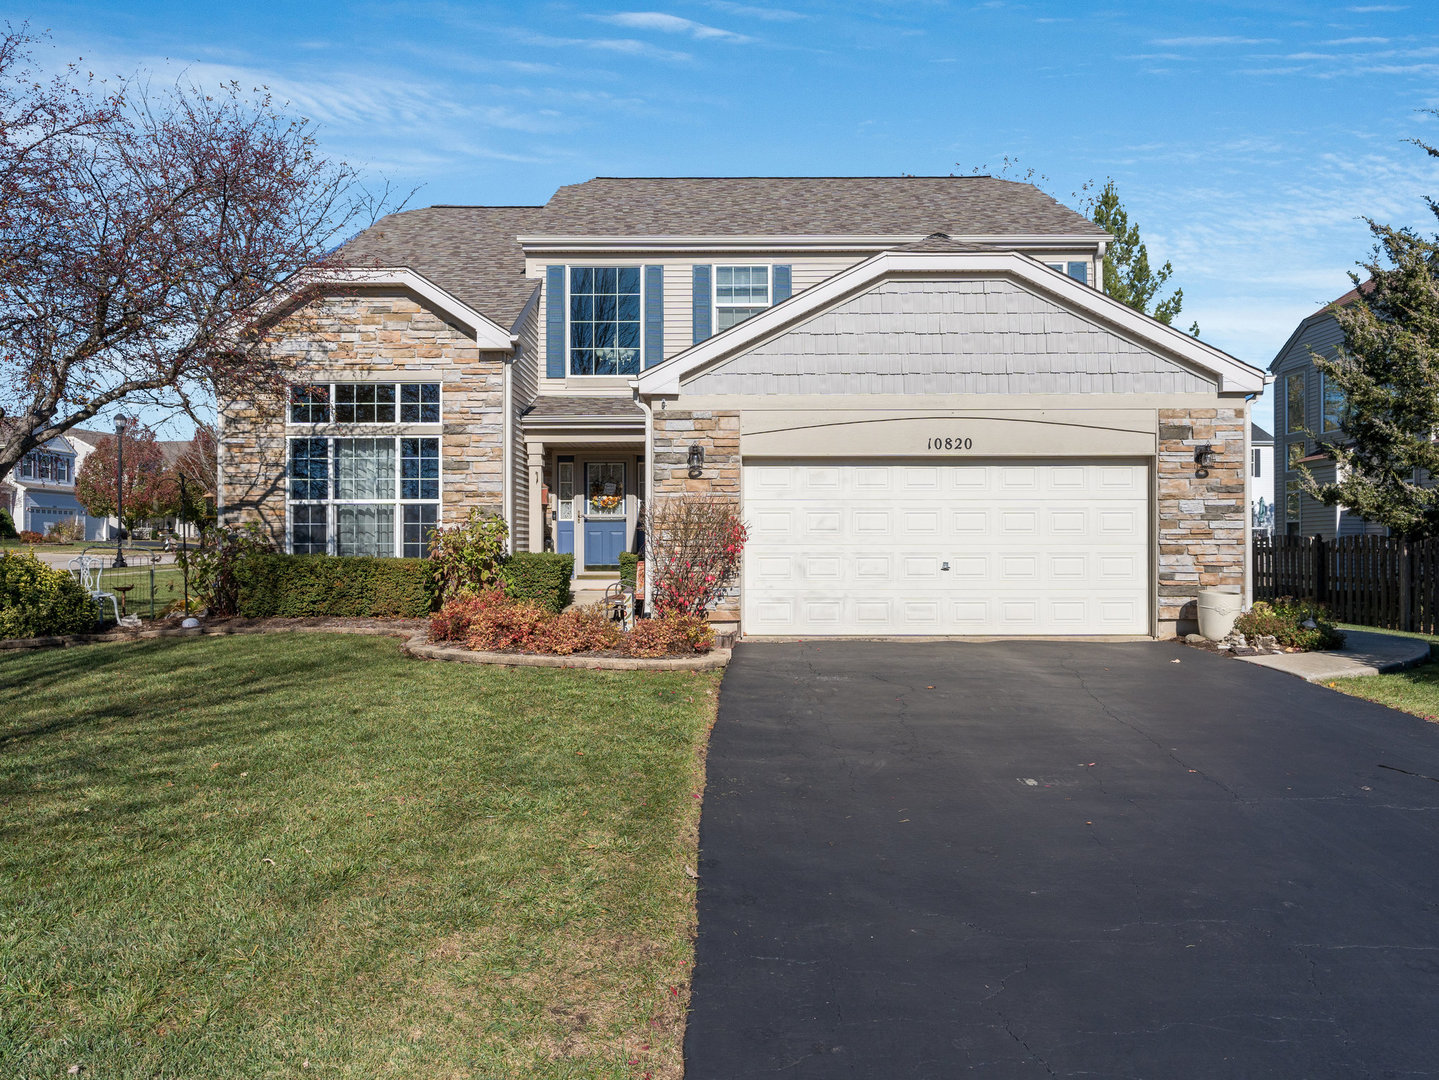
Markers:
40,490
1309,408
931,419
1261,479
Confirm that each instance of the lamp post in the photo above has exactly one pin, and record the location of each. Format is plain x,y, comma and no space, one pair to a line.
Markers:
120,423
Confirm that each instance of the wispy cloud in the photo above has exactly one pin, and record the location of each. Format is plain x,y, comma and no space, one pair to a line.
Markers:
1200,41
1368,9
623,46
746,11
1358,41
673,24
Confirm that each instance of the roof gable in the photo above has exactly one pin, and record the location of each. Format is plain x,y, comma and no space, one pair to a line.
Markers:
1005,316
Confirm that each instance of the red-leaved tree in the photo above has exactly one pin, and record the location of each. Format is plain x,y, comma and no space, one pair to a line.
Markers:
143,480
139,232
692,552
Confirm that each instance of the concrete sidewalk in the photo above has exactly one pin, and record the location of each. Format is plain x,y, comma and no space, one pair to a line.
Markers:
1365,652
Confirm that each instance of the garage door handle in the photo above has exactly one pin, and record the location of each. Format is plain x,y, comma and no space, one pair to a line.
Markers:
944,566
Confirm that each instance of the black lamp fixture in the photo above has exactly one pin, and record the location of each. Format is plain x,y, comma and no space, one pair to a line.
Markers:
1203,457
121,422
696,460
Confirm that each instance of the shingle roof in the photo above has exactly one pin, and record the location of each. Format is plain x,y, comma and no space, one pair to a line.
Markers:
469,251
941,242
808,206
1258,435
472,253
558,407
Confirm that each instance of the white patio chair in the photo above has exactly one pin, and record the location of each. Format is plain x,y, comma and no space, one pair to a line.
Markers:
86,569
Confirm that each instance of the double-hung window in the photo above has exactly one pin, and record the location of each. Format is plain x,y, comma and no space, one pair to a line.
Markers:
605,317
1294,402
1333,404
740,291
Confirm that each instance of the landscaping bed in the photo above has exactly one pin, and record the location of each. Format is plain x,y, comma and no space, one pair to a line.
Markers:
305,855
1279,626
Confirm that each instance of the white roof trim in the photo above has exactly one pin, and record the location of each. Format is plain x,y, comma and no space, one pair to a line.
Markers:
490,336
846,242
1232,375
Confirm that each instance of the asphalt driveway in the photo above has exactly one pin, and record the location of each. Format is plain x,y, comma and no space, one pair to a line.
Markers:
1040,859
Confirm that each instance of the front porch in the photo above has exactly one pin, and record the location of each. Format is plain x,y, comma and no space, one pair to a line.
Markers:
586,483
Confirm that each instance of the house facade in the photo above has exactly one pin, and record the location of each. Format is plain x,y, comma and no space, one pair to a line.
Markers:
1261,479
930,417
1309,409
40,490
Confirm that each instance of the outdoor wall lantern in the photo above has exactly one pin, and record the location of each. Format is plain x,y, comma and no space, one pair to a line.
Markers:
696,460
1203,457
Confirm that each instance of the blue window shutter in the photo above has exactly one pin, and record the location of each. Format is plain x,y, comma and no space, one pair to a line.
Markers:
1079,272
555,322
654,315
783,284
703,304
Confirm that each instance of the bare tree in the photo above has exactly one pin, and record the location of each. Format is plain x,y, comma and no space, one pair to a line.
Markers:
138,231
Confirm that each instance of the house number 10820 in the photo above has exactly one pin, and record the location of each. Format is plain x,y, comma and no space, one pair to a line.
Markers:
949,443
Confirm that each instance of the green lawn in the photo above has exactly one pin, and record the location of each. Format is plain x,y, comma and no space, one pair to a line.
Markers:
307,855
1414,691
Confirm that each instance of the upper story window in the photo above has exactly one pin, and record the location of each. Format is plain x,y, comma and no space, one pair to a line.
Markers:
740,291
605,312
365,403
1294,402
46,468
1079,271
1334,405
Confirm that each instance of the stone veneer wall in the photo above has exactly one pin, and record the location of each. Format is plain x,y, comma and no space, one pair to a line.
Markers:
1201,522
371,337
718,433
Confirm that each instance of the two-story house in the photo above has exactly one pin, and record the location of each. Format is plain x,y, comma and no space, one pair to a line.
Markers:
931,418
1308,409
40,490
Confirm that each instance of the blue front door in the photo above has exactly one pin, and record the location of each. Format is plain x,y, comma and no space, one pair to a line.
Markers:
604,513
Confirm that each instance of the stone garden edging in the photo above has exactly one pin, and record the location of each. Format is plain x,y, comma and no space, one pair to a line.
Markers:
416,644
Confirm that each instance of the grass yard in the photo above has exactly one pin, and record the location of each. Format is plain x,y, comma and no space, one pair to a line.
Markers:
1414,691
306,855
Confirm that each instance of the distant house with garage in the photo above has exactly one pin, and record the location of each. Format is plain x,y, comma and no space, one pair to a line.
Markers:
932,419
39,493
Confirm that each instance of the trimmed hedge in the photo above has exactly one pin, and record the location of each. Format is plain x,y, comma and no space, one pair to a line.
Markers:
628,563
344,586
542,577
37,600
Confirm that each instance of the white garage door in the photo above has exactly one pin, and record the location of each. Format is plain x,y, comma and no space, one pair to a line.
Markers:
920,548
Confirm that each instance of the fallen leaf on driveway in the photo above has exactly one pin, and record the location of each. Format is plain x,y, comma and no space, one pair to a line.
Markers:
1174,661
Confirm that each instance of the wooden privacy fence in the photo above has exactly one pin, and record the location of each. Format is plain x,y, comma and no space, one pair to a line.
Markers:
1381,581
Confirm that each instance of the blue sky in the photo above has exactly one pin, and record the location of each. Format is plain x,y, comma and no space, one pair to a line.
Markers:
1246,139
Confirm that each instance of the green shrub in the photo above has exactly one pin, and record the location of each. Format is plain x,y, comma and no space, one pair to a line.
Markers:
213,568
629,561
542,577
37,600
1284,619
7,526
297,586
467,557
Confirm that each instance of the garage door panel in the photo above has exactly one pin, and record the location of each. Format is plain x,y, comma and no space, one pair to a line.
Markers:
1030,548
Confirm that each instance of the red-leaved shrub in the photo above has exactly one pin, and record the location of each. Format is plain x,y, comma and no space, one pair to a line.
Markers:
510,625
454,619
578,630
674,634
29,536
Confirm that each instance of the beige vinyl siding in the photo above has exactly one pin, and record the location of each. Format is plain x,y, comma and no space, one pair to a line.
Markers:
525,384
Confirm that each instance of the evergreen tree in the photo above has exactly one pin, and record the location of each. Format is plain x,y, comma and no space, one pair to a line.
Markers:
1128,276
1388,373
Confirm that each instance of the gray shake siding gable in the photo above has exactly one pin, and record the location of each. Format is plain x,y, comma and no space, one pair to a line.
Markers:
949,337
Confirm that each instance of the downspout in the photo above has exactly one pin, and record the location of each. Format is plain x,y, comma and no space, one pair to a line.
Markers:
649,444
507,449
1248,600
